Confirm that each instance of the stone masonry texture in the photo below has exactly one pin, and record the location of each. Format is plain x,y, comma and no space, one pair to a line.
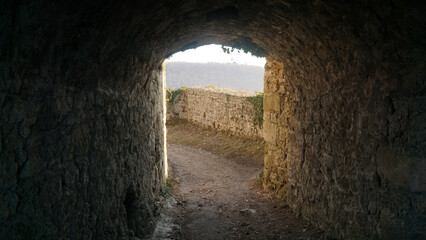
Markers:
219,109
81,143
80,163
318,159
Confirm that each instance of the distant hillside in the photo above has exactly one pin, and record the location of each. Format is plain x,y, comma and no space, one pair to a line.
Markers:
227,75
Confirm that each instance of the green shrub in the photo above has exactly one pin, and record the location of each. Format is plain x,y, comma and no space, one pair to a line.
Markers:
172,96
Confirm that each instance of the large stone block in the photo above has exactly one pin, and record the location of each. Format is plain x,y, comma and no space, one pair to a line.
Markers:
271,102
270,132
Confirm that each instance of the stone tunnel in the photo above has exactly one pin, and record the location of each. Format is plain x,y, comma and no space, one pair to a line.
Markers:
81,96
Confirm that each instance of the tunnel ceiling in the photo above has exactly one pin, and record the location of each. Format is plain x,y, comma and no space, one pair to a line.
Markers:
309,33
285,29
280,29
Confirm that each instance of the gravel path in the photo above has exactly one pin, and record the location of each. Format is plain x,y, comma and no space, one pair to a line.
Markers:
215,198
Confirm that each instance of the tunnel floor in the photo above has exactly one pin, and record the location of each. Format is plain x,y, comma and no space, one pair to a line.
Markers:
216,198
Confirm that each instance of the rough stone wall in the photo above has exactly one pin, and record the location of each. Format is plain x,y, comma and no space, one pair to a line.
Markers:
333,156
81,142
100,179
276,117
81,127
80,163
219,109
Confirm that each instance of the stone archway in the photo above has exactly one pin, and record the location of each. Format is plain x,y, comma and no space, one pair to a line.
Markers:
81,110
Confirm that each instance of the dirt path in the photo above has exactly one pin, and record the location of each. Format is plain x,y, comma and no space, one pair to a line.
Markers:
216,198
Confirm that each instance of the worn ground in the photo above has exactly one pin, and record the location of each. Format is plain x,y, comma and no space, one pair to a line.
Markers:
222,143
215,197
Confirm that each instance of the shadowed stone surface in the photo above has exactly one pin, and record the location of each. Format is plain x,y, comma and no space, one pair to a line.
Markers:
331,157
81,163
80,96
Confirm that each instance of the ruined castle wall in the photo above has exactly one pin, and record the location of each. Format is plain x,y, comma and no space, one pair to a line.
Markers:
219,109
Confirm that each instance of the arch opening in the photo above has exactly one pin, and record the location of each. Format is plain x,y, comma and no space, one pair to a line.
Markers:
214,93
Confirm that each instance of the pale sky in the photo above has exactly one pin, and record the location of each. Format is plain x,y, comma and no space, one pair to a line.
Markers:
214,53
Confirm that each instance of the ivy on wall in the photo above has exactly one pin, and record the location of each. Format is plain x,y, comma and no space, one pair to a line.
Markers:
257,102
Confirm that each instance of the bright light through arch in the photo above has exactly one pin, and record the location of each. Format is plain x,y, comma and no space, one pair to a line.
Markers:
214,53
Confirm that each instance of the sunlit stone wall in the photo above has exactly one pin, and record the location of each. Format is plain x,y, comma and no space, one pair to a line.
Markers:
220,109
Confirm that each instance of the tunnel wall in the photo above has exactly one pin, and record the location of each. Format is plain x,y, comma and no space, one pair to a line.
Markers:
79,163
346,159
81,129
